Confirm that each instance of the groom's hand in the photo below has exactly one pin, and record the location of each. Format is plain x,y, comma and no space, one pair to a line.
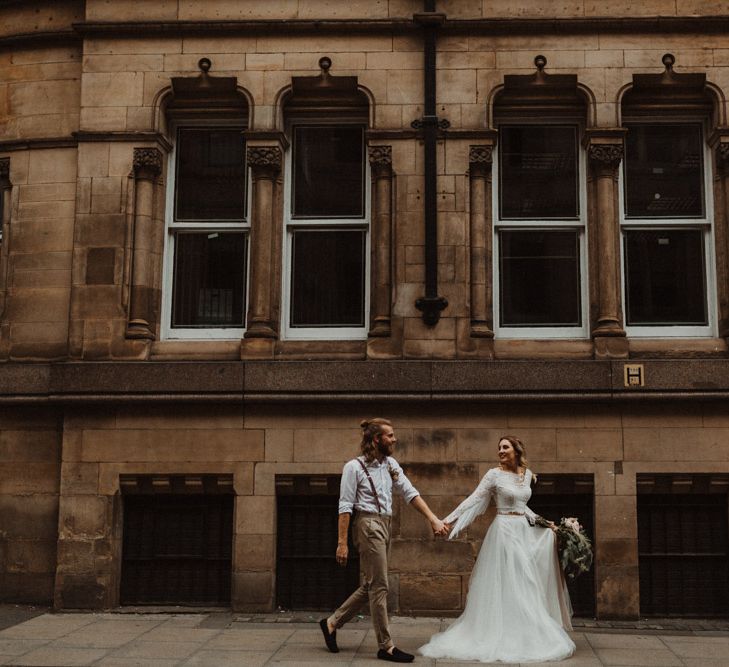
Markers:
342,554
439,528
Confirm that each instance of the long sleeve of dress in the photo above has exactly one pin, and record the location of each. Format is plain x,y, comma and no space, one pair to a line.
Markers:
472,506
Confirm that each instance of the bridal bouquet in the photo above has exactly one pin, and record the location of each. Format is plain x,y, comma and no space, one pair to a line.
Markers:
573,546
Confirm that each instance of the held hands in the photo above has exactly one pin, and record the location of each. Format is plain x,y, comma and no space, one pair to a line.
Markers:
440,528
342,554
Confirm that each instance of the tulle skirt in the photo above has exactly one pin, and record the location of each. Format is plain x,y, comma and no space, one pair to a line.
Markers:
518,607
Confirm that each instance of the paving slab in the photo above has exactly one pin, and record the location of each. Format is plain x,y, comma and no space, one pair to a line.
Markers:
207,658
158,650
47,626
56,656
631,657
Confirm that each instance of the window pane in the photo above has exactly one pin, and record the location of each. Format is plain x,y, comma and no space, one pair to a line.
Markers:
211,174
540,278
665,277
328,171
328,277
210,280
538,172
663,171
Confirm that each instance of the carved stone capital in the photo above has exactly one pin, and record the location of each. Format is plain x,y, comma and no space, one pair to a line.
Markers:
4,172
380,158
480,159
147,162
264,160
605,157
722,157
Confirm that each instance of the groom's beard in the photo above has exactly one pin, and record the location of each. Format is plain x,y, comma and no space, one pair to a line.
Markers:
383,450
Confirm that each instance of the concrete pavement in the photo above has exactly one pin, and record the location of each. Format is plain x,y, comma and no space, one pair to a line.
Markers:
222,639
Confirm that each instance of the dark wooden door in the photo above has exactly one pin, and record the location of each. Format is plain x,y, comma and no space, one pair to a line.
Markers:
683,545
307,574
177,549
557,496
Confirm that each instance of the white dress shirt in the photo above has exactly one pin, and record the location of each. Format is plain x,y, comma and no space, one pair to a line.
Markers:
356,492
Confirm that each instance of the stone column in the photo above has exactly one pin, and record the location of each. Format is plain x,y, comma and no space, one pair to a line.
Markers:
721,230
147,166
380,158
481,247
265,165
5,203
604,152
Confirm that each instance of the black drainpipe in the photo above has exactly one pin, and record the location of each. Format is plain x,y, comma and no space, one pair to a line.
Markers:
431,304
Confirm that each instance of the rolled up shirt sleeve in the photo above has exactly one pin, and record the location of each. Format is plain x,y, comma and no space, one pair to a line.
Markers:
402,484
348,488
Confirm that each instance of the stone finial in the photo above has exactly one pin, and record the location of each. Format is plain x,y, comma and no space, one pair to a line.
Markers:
147,162
605,156
480,159
380,158
264,158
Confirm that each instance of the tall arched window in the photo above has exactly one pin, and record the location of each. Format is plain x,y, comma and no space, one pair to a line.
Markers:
540,271
326,210
208,221
667,215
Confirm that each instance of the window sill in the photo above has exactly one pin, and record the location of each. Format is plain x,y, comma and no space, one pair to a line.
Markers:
320,349
677,347
513,348
198,350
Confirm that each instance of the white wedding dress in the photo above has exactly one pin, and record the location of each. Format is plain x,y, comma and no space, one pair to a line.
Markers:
518,607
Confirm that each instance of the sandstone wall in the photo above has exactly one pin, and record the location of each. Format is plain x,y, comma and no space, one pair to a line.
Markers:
30,449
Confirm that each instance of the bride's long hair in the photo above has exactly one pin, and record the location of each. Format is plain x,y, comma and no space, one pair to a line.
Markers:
519,449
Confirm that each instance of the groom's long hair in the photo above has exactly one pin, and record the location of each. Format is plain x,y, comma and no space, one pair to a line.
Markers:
371,428
519,450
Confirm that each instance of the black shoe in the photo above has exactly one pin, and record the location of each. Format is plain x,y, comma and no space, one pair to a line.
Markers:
329,637
396,656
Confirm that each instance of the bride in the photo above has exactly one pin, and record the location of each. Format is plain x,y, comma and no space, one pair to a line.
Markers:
518,607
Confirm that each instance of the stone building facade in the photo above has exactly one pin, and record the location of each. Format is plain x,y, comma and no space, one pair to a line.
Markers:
225,240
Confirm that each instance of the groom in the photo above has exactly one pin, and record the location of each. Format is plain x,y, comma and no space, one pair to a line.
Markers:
367,484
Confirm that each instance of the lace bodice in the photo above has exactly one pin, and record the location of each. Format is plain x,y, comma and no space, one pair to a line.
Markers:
510,491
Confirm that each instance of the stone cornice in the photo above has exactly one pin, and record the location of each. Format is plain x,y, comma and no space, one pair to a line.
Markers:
40,39
12,145
476,26
347,381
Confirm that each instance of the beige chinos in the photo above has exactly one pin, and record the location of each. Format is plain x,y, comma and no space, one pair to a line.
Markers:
371,535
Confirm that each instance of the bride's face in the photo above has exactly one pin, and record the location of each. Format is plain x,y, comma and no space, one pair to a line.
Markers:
507,455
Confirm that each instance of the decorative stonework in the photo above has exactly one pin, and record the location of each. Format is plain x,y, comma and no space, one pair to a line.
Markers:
264,157
380,158
722,157
605,156
147,162
480,159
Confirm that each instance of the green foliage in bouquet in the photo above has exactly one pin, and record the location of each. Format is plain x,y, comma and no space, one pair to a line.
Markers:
573,546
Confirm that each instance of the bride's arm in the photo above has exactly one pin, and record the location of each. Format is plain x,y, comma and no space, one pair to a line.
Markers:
476,504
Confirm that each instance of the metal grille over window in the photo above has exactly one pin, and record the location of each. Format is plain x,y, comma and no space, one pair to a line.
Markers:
307,574
683,544
177,541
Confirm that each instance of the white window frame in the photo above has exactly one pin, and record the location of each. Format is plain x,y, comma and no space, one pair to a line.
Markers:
349,223
168,332
579,225
704,223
